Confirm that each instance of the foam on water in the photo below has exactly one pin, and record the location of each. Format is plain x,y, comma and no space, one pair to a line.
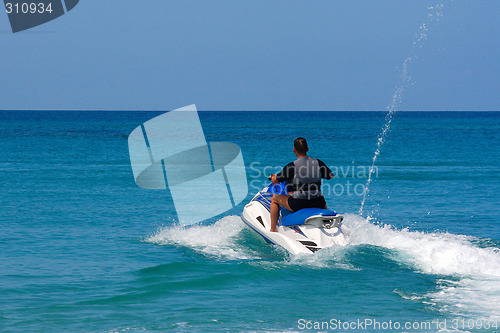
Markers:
475,287
218,239
478,298
469,275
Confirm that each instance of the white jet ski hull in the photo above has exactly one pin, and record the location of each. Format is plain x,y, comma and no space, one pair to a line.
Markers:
311,234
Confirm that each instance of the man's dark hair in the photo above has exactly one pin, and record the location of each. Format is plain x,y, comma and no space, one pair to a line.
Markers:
300,145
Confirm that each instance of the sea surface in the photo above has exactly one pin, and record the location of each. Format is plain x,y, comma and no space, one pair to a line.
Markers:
83,249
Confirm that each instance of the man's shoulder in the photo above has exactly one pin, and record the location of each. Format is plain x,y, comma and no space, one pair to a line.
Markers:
320,161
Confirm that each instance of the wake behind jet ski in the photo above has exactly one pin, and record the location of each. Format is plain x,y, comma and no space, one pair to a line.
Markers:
305,231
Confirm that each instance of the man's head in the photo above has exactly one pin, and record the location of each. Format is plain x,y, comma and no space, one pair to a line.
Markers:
300,147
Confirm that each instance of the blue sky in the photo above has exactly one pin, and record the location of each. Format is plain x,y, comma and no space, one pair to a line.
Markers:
253,55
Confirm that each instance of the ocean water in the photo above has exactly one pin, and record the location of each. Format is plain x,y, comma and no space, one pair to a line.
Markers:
83,249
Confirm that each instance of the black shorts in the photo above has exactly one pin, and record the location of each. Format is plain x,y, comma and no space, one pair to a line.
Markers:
298,204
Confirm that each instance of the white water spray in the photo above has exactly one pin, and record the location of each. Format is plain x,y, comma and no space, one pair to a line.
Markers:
434,14
469,274
218,240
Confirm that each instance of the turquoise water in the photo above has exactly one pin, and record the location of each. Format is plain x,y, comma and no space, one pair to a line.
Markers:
83,249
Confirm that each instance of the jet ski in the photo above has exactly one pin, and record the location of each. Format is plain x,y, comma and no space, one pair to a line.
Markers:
305,231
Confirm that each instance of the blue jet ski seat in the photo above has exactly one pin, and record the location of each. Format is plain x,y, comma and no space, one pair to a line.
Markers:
300,216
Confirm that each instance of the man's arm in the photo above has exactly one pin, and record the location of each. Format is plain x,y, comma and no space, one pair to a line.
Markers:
284,175
325,171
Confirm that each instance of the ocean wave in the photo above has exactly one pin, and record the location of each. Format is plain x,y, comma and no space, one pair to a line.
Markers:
473,288
468,275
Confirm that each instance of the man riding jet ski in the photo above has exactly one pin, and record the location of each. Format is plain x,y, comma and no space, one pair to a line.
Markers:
311,226
303,177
